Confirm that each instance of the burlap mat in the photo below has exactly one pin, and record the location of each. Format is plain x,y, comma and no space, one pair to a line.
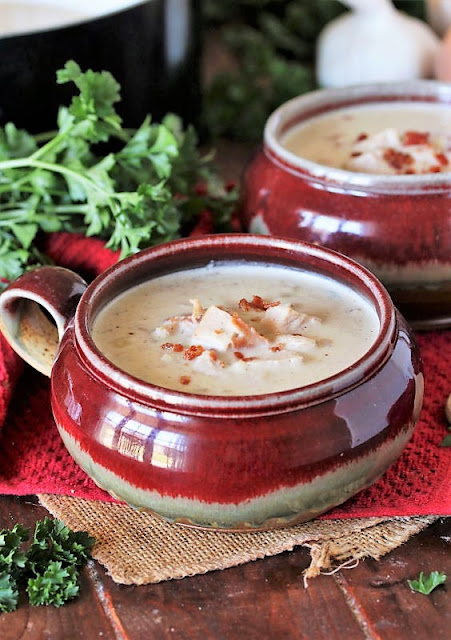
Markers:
139,548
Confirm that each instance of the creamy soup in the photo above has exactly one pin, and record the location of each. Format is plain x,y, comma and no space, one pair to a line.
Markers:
382,139
236,329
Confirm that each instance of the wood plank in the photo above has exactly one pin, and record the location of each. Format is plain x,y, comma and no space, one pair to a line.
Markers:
262,599
84,618
381,598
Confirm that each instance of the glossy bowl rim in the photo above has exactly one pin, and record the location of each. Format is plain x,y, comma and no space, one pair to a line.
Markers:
78,21
432,91
237,406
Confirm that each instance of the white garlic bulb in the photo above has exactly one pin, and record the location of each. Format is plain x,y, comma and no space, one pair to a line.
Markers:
374,43
438,14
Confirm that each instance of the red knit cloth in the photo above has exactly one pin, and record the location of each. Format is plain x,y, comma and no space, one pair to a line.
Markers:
33,458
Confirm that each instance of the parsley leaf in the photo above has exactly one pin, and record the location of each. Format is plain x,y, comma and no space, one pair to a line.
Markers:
12,564
94,116
9,593
56,585
426,584
12,558
53,541
49,567
141,192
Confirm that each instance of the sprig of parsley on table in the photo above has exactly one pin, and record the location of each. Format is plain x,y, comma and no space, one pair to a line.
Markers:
48,569
133,188
426,584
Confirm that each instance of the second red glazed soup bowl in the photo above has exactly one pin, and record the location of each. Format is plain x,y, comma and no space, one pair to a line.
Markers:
398,226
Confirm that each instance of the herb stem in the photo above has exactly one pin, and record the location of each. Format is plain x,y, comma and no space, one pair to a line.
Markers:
9,215
44,136
141,194
21,163
49,146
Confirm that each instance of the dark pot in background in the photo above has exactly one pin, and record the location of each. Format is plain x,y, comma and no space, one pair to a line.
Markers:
151,47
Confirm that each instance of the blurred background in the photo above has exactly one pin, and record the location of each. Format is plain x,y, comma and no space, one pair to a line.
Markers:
224,66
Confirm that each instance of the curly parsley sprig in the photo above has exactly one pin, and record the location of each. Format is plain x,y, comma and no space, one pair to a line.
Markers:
141,193
48,569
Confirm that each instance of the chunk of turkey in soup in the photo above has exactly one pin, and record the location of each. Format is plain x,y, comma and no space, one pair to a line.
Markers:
236,329
378,138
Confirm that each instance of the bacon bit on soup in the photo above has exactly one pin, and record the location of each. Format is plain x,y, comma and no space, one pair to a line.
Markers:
194,351
397,159
415,137
214,357
256,303
278,347
239,323
170,346
247,335
239,356
239,342
361,136
441,159
244,305
185,379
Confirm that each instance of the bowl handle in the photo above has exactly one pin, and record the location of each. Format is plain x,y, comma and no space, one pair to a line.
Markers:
35,310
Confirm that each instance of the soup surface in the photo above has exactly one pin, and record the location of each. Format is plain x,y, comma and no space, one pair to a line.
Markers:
379,138
236,329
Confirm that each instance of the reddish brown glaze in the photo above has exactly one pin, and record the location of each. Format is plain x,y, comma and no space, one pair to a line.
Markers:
384,223
56,288
378,226
229,460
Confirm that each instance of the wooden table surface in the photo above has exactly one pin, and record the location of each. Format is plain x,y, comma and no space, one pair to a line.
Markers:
258,600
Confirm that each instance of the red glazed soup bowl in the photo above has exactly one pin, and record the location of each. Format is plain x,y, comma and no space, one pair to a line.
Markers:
398,226
242,462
